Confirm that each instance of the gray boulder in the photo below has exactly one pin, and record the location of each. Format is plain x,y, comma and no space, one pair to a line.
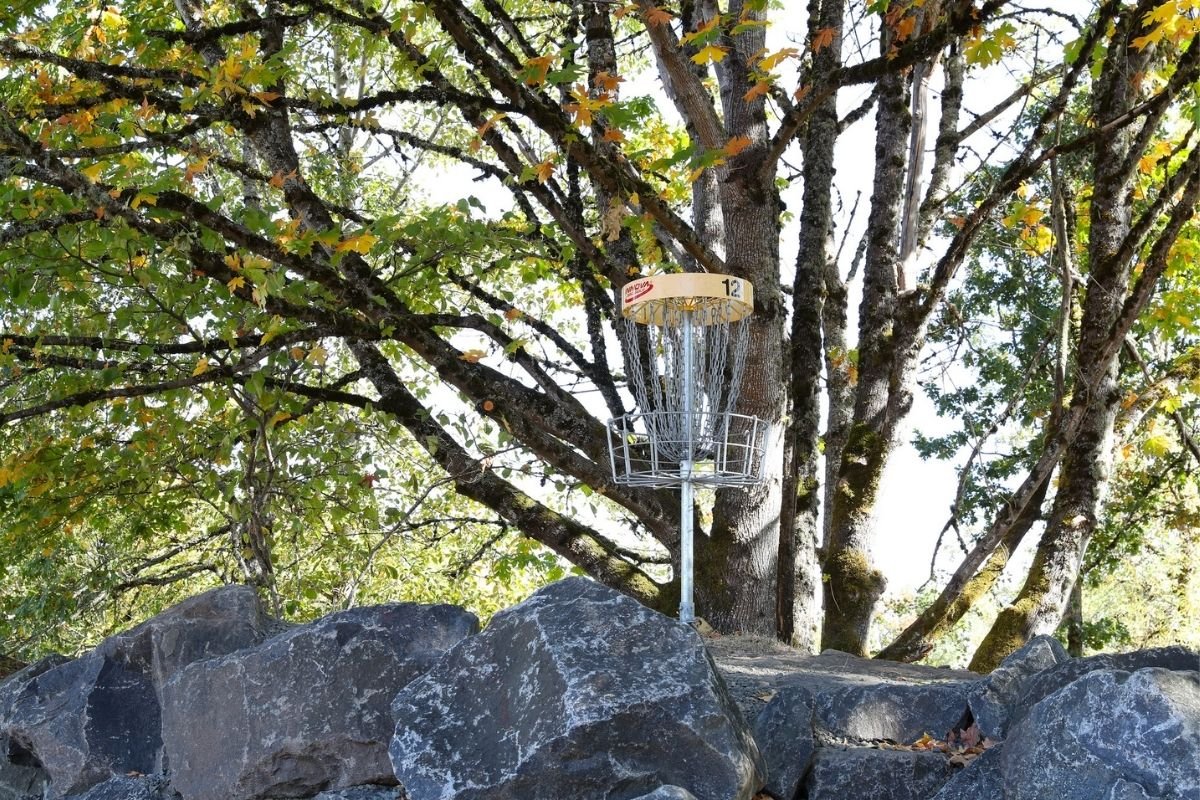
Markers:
843,772
581,693
862,698
784,733
86,720
992,699
1050,680
981,779
1109,734
668,793
364,793
305,711
128,788
20,775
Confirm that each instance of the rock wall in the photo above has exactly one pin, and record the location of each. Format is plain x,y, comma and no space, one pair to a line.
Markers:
577,693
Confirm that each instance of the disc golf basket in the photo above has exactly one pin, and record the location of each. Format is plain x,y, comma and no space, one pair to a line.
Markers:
686,338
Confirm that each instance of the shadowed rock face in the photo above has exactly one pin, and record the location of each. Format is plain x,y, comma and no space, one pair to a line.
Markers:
86,720
580,693
305,711
843,772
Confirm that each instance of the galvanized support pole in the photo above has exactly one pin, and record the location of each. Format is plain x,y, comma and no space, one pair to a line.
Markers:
687,610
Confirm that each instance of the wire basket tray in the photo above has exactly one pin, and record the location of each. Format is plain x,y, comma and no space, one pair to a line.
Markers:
657,449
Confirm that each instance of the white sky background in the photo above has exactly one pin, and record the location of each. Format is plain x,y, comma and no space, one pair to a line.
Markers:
916,494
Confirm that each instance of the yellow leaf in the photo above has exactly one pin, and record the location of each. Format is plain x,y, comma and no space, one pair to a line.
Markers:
710,53
772,60
317,355
142,197
201,367
235,283
279,416
266,98
360,244
544,170
92,171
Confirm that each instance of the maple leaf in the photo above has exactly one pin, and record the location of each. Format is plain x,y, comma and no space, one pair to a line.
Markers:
92,171
201,367
613,135
736,145
544,170
759,89
235,283
823,39
473,355
317,355
772,60
658,16
606,82
971,736
710,53
536,70
702,30
905,27
360,244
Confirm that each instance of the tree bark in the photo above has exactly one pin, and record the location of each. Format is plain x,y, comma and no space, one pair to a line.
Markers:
853,583
799,584
1083,479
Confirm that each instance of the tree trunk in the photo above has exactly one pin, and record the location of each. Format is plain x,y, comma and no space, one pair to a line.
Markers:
853,584
800,533
737,566
1039,607
1075,621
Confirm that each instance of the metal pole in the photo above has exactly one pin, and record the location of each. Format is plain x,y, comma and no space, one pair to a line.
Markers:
687,610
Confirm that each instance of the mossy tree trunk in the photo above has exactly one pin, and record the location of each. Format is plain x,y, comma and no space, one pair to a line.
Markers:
1115,240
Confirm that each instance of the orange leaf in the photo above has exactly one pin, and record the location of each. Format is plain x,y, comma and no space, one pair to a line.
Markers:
266,98
606,82
472,356
658,16
823,39
537,69
757,90
905,27
736,145
613,135
801,93
544,170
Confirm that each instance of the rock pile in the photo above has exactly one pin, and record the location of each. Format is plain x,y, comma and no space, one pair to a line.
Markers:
577,693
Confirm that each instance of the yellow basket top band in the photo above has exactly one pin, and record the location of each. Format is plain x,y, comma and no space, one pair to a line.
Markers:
662,299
